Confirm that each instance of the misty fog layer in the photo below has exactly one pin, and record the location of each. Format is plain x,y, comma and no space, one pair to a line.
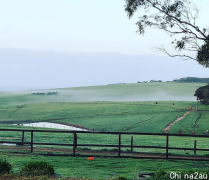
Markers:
26,69
127,92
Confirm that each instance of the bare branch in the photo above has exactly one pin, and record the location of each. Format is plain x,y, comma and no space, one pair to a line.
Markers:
162,49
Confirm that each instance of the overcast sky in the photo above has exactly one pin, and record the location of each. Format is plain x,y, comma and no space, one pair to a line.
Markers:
66,43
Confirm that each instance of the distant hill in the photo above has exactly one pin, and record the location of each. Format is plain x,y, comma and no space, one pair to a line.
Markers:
157,91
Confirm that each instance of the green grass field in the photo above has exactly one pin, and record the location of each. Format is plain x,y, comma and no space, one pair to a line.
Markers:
124,107
103,168
101,116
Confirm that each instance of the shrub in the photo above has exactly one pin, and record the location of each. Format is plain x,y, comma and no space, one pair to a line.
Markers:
37,168
5,167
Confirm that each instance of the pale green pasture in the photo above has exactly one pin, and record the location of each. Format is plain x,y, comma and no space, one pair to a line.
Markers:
116,92
102,116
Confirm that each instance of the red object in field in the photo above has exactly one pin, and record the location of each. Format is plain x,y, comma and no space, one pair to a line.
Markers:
90,158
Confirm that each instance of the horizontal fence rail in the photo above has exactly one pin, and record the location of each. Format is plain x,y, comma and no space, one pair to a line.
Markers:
120,144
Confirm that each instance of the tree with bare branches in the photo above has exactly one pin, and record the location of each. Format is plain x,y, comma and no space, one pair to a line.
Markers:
178,18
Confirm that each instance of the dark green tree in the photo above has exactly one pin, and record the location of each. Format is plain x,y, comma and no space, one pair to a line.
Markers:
202,94
203,55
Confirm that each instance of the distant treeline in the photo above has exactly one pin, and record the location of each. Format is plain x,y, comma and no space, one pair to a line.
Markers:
192,80
181,80
151,81
49,93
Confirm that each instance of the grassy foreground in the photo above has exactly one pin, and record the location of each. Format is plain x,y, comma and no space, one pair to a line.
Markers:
102,168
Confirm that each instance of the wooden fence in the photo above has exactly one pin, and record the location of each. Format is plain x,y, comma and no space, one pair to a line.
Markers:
74,146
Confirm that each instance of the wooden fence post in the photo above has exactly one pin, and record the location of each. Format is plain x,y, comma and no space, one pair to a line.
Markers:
132,140
119,144
74,142
31,142
195,146
23,135
167,139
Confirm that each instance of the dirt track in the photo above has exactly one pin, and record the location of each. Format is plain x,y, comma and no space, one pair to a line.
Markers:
167,128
